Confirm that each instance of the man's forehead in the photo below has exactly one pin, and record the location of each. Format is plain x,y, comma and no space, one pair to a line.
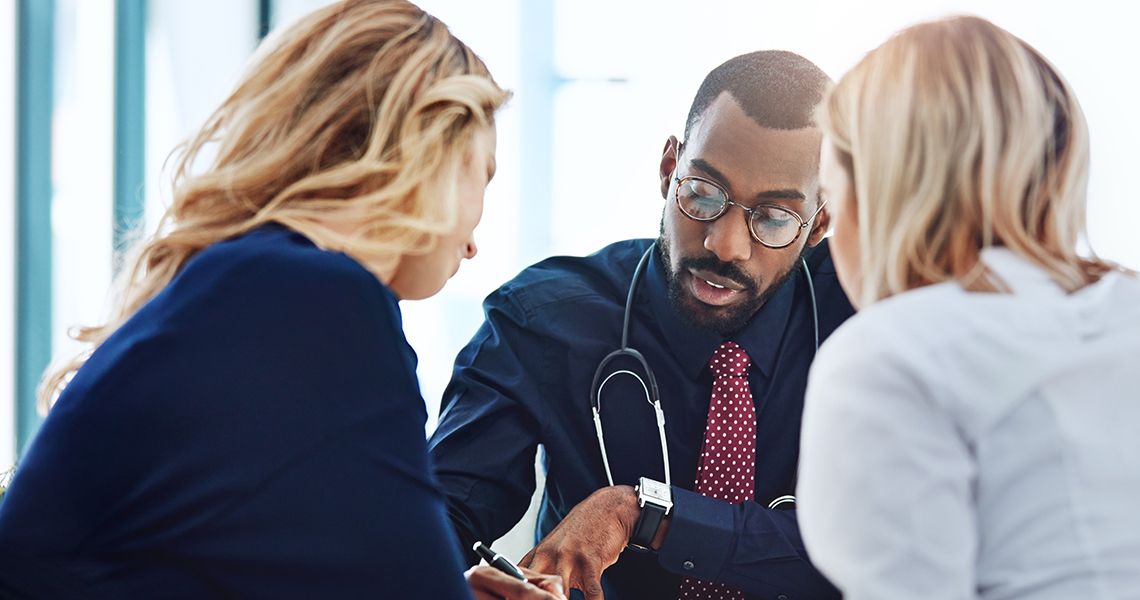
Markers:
744,151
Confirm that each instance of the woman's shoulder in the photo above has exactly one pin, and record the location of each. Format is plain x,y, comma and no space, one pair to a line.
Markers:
911,341
276,265
274,253
274,285
925,316
948,320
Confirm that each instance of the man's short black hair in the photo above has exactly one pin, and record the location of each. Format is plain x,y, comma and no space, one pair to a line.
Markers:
777,88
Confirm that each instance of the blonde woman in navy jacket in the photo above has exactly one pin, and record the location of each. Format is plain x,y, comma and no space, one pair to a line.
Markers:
249,422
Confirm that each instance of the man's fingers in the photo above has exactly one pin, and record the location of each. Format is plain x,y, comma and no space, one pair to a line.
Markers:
550,583
591,585
542,561
567,575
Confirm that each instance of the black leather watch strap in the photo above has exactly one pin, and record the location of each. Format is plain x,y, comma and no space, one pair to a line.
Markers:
646,528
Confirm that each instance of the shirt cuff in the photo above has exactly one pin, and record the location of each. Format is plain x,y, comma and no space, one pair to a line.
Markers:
700,538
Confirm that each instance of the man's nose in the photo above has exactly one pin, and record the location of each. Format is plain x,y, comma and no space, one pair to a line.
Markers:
728,237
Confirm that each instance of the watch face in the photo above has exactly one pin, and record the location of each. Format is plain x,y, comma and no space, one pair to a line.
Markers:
655,489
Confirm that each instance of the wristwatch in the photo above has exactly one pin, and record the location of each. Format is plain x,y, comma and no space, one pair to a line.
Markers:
656,500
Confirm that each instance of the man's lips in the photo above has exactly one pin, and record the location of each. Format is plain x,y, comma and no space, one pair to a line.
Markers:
717,281
713,289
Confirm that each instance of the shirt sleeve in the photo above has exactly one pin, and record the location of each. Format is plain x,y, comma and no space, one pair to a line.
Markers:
484,446
886,477
747,546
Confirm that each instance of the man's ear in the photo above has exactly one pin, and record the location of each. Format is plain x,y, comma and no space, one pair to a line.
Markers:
819,227
669,163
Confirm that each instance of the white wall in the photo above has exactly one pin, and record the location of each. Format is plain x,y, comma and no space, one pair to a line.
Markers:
663,50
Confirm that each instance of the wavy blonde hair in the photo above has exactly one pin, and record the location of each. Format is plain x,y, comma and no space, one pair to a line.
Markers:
959,136
360,110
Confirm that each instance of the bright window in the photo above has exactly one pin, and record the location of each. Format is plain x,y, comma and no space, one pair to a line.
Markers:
7,234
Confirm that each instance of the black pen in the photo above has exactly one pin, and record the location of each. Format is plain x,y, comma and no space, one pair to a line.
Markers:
498,561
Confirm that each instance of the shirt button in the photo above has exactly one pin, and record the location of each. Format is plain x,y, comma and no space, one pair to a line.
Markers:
688,566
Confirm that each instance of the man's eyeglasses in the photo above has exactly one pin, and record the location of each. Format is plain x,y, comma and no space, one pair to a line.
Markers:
772,225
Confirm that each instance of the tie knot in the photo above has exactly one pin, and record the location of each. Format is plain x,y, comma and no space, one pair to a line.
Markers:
730,360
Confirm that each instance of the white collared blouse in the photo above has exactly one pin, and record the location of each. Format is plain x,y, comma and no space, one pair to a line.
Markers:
979,445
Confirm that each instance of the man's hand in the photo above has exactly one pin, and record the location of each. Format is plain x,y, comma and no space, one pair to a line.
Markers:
489,583
588,540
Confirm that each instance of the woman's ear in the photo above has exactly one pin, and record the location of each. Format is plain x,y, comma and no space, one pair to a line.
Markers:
819,227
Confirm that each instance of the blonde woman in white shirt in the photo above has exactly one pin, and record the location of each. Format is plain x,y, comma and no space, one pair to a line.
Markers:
974,431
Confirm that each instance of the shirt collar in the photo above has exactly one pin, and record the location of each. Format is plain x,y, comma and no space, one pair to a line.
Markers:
1017,272
761,337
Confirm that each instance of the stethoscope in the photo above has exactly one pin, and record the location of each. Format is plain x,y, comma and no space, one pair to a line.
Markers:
649,384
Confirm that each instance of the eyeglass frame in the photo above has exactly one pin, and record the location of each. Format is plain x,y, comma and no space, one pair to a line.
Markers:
749,212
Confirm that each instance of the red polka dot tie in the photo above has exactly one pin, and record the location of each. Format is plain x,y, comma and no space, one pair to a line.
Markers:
726,469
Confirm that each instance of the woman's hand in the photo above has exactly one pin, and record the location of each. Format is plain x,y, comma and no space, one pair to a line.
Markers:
489,583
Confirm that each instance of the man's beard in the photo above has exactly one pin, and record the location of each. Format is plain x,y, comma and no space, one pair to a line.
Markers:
725,320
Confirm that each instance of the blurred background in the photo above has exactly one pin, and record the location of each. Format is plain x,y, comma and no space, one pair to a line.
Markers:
94,94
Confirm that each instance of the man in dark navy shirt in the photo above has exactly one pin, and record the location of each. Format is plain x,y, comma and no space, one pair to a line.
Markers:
742,227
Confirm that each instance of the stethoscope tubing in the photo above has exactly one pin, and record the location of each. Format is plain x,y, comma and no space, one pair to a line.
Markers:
651,393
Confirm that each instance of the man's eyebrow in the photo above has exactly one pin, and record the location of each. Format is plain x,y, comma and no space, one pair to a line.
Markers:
703,165
784,194
780,194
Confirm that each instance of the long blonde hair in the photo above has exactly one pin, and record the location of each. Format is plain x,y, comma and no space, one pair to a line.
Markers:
959,136
361,108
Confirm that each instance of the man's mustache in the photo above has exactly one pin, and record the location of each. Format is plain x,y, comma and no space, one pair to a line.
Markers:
726,270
